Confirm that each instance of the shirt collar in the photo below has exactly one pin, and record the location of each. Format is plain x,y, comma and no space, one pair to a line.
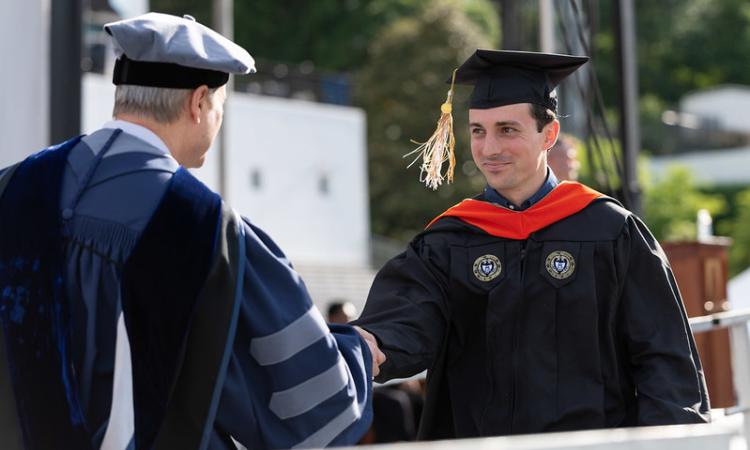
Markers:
140,132
549,184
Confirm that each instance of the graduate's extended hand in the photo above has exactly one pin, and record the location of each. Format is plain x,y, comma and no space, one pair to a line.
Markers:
378,357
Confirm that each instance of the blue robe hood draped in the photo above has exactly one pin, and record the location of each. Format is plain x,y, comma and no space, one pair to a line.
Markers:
160,288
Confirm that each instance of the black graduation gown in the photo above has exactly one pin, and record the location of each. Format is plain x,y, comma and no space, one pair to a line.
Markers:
539,347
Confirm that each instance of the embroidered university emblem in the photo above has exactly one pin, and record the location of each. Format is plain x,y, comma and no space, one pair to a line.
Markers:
560,264
487,267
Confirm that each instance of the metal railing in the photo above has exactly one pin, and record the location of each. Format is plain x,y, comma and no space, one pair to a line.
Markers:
724,433
739,341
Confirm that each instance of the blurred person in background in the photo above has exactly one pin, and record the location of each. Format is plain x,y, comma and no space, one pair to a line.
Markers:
396,407
562,158
140,311
536,306
341,311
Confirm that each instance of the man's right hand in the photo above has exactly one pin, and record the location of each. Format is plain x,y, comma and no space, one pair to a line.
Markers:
378,357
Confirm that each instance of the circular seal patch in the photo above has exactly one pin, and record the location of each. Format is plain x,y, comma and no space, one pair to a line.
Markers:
560,264
487,267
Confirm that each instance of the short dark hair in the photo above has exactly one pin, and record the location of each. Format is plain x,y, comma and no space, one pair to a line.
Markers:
542,115
335,307
339,306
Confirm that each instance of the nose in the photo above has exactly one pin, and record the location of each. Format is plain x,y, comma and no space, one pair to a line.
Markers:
492,146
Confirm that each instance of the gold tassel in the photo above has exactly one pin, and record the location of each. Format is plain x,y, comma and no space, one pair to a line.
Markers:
439,148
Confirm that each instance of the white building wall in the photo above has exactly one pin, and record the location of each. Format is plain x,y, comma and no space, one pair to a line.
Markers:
129,8
291,145
294,147
97,101
712,167
24,102
727,104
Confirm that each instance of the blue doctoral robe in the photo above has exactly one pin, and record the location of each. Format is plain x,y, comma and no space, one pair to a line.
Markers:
288,379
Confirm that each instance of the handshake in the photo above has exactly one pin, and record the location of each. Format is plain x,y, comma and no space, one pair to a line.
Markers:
378,357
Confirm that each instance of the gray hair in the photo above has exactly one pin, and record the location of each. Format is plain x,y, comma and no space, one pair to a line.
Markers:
161,104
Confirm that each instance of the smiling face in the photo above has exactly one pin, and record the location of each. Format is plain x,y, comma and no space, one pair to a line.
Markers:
508,149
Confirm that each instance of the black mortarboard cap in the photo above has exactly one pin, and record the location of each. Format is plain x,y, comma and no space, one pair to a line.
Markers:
506,77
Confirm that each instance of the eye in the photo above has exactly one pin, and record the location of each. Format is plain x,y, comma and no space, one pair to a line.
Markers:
477,132
507,130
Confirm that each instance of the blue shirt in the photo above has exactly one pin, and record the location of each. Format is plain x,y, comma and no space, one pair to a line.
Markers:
550,183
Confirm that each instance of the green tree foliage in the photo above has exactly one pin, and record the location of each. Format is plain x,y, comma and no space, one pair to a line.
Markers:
739,252
682,46
401,88
671,205
332,34
598,160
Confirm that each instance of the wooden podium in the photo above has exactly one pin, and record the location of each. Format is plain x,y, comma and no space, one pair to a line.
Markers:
701,270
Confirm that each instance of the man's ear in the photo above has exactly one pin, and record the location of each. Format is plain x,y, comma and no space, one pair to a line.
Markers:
198,100
551,132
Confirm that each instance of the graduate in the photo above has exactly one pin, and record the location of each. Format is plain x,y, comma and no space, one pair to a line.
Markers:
537,305
137,309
